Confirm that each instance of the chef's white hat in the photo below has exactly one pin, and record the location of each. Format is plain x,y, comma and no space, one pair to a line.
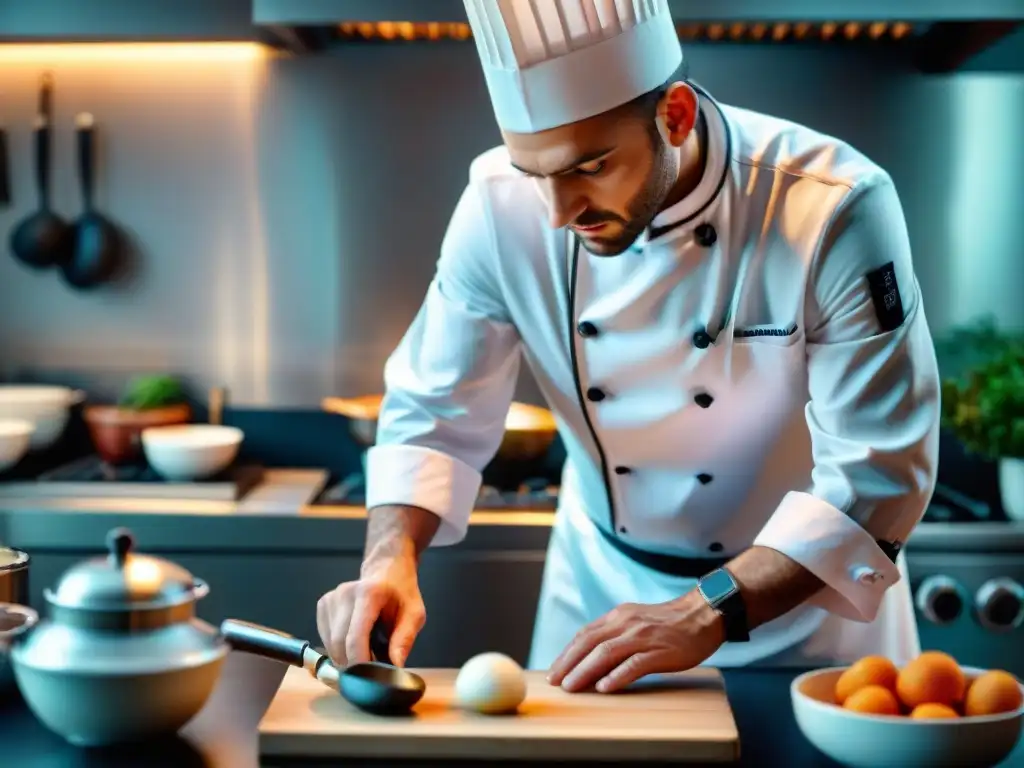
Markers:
553,62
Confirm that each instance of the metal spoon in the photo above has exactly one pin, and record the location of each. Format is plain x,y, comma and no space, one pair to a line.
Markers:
378,687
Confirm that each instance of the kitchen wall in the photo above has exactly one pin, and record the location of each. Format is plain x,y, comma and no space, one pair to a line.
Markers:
287,212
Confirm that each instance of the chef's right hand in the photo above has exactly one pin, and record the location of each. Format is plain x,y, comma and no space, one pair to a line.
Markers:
387,589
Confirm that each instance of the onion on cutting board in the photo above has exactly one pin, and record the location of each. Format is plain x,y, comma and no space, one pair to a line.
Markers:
490,683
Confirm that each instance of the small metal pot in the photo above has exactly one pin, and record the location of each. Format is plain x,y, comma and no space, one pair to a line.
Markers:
14,569
122,656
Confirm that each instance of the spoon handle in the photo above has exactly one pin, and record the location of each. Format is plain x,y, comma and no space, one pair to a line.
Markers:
86,163
46,96
380,643
263,641
41,139
5,170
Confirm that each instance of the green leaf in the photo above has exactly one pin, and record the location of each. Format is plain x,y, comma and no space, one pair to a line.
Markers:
983,405
148,392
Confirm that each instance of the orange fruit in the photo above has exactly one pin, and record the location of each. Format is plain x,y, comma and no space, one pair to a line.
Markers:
932,678
991,693
871,670
873,700
933,711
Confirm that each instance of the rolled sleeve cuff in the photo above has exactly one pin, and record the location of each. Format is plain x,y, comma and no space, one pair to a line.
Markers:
414,476
832,546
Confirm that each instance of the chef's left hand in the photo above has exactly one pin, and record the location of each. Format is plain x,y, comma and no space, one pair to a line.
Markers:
637,640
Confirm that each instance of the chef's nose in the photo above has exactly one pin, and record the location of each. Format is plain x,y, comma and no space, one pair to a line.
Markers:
564,203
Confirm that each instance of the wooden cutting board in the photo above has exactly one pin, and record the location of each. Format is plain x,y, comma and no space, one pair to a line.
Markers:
681,718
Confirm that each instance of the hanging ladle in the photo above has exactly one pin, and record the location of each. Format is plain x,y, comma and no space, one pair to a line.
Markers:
43,239
378,687
98,247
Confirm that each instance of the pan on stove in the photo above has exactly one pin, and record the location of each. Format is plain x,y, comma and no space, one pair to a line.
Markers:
529,429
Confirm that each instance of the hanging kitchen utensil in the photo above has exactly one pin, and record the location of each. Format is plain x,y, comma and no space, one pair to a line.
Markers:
378,687
43,239
99,247
529,429
5,169
122,656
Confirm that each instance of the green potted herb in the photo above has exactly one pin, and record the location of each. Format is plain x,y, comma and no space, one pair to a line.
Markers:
147,401
984,407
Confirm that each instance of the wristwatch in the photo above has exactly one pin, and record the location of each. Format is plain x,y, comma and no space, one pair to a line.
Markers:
722,593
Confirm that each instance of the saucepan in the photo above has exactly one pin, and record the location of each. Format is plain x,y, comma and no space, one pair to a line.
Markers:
122,656
529,429
14,568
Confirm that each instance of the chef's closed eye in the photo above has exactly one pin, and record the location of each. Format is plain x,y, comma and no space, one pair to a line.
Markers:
592,168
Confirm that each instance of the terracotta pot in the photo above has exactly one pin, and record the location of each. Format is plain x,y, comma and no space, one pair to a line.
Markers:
117,432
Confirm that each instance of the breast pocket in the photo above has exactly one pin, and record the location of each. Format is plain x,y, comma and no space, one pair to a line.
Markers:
767,362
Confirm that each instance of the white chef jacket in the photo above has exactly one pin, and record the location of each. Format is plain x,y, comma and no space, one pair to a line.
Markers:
756,370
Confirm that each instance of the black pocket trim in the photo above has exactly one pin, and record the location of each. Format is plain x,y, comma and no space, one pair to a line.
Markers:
750,333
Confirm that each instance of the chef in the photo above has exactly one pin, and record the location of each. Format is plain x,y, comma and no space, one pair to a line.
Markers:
721,311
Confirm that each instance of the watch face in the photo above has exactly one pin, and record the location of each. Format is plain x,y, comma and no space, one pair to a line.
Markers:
717,585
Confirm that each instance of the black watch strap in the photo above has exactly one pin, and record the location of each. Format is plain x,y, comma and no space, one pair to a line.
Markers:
722,593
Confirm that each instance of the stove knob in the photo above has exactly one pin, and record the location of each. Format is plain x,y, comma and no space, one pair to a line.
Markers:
940,599
1000,605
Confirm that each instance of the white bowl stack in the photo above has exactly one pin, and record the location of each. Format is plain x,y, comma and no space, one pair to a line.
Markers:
15,437
47,408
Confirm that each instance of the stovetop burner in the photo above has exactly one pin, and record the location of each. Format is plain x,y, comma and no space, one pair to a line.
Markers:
533,494
90,476
93,470
951,506
538,493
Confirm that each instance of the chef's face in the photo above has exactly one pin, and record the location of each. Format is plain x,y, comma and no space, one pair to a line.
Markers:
607,177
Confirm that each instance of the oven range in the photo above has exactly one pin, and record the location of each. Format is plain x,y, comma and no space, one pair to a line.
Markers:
967,576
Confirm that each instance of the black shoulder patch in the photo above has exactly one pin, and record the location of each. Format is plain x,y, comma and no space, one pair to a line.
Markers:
885,293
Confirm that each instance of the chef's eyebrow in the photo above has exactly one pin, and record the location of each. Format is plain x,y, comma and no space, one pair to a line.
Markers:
589,157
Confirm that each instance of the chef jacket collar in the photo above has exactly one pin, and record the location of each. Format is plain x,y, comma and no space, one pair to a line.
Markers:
716,170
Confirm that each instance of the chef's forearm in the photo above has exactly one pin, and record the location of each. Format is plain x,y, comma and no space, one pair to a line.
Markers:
771,583
398,531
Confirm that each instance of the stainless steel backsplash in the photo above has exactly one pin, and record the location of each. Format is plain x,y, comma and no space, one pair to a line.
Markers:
287,212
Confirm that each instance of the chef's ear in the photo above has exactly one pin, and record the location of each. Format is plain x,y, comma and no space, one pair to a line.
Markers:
677,113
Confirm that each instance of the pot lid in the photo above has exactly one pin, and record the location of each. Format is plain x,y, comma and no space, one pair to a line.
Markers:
123,580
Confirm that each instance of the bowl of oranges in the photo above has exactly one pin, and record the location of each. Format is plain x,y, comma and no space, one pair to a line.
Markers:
930,712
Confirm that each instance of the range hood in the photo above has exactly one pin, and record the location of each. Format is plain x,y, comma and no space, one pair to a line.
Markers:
943,35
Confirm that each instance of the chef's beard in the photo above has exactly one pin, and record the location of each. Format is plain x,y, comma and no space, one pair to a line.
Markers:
641,209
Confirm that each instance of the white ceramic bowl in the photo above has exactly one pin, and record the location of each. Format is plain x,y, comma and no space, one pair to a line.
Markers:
15,437
190,451
48,408
878,741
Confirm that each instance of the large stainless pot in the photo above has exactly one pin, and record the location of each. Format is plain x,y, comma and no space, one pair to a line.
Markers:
122,656
14,567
